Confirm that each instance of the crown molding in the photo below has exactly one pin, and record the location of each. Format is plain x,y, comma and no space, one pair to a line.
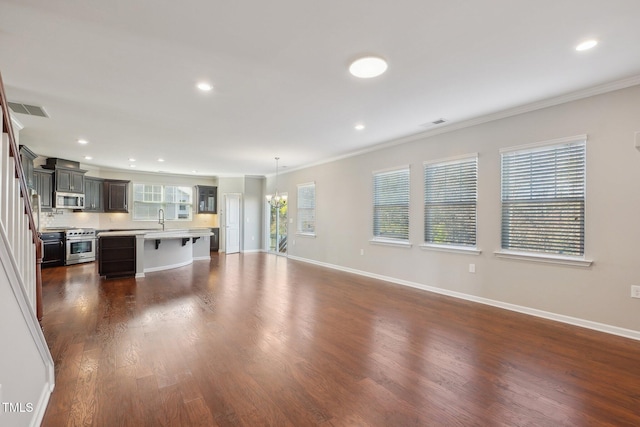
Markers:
510,112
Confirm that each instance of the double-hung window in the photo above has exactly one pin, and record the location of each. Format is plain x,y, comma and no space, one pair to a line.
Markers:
148,199
307,209
543,197
450,199
391,205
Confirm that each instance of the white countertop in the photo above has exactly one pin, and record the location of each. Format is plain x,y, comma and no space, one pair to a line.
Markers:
159,234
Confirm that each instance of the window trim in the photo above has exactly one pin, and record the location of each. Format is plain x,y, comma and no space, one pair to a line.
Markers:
542,144
576,261
445,247
469,250
163,203
387,240
298,231
545,257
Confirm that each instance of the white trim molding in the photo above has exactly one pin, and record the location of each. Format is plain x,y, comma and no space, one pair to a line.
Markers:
544,258
451,248
390,242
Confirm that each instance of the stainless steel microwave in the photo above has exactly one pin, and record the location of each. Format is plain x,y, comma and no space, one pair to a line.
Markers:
69,200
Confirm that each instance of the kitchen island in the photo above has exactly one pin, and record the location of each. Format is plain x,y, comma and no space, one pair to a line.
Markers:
136,252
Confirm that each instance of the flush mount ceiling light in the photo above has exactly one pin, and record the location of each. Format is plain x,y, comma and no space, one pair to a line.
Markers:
204,86
368,67
586,45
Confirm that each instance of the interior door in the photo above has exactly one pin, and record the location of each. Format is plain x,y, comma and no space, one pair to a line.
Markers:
232,226
278,228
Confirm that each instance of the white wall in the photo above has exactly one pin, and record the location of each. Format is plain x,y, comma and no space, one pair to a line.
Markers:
253,201
251,206
600,293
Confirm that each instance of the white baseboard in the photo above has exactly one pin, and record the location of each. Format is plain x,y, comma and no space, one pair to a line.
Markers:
40,408
202,258
601,327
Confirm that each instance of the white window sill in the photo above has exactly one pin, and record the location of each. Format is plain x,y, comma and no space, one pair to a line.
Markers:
451,248
392,242
545,258
312,235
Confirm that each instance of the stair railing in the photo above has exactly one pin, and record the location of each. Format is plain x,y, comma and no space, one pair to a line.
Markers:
17,214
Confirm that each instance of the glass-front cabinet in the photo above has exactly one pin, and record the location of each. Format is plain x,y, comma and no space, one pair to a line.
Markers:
207,199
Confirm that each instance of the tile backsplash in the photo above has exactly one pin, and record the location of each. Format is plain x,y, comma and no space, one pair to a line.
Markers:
67,218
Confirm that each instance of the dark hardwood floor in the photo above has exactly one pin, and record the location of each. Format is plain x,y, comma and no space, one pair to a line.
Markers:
259,340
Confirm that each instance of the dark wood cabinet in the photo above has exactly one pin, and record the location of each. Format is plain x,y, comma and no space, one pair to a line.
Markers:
54,250
116,194
93,194
117,256
69,180
207,199
26,159
214,244
43,185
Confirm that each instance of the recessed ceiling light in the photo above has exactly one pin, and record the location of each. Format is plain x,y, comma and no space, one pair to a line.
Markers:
161,160
359,126
368,67
204,86
132,166
586,45
194,171
132,159
83,141
88,157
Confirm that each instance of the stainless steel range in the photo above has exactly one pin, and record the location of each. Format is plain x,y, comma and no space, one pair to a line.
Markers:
81,245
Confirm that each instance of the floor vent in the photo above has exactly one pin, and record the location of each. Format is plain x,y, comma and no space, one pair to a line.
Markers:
31,110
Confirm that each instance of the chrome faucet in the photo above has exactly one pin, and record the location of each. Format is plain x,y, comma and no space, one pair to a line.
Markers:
161,218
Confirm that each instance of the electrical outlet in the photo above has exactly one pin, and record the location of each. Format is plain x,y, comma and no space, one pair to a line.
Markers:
472,268
635,291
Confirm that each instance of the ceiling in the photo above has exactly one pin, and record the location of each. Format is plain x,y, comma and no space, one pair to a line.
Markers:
122,73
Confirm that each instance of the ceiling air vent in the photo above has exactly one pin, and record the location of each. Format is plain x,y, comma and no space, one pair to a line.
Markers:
31,110
433,123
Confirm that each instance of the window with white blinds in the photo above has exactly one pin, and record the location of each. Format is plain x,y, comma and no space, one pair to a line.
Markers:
391,204
543,198
307,208
450,198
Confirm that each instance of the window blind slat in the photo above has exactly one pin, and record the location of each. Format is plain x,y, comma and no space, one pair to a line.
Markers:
543,198
450,197
391,204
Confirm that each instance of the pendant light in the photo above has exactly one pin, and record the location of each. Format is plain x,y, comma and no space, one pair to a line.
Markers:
276,200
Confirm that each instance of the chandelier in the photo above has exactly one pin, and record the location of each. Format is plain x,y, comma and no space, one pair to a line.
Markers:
276,200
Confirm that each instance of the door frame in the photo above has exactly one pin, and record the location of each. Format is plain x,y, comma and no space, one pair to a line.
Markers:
267,228
224,244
